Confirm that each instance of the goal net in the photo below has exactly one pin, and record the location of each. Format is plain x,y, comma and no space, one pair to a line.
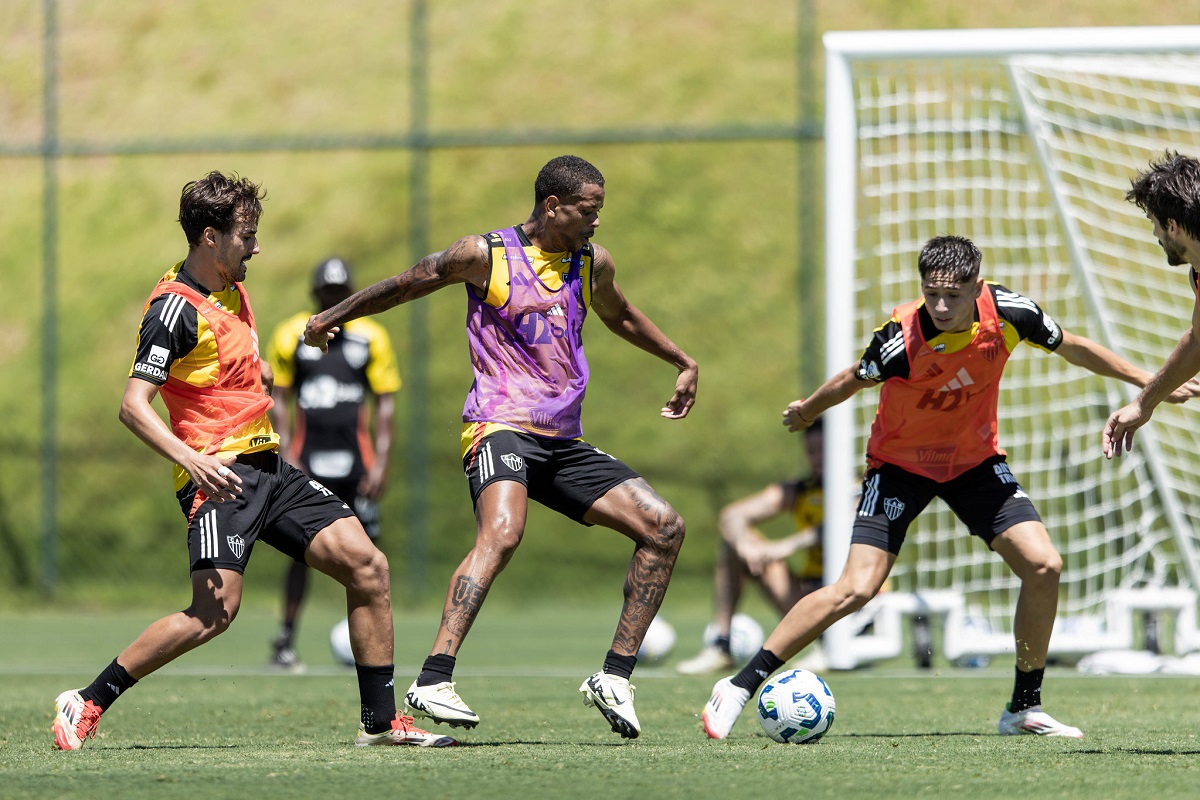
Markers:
1024,141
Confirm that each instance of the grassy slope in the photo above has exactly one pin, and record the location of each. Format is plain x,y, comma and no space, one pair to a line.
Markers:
704,235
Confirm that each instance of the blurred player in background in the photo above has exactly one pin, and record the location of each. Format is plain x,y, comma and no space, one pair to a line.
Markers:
198,349
745,554
330,435
528,289
1169,192
940,359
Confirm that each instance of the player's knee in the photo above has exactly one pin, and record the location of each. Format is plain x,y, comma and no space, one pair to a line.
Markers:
665,534
1045,567
854,593
501,535
211,620
372,575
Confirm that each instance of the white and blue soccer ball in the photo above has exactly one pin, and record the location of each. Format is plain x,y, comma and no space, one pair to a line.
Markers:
796,706
659,641
746,637
339,642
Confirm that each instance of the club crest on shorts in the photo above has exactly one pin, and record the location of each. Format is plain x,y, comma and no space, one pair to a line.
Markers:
237,545
893,508
513,461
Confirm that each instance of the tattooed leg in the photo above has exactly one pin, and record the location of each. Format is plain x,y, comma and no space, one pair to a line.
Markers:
501,512
636,510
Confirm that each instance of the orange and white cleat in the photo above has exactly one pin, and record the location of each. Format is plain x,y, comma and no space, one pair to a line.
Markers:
75,720
403,732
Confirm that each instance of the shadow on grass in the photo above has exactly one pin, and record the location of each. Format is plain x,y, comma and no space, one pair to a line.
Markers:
1135,751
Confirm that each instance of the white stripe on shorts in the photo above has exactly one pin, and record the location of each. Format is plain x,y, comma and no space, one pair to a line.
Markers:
870,499
208,535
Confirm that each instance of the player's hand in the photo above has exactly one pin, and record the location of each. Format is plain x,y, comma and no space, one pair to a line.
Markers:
685,394
1185,392
215,477
373,482
793,420
316,335
1119,430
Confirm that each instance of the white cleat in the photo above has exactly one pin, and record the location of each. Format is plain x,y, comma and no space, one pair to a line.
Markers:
708,661
723,708
403,732
439,703
613,696
1036,722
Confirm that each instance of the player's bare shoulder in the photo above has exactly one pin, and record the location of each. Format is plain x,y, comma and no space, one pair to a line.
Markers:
603,269
467,260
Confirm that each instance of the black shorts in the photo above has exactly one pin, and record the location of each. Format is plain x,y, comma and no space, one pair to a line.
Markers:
366,509
279,505
986,497
566,475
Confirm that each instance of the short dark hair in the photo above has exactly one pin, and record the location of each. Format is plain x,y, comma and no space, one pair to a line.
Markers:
564,177
1170,189
955,257
217,201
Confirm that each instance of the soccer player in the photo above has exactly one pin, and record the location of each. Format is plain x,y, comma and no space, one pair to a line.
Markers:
198,349
330,436
940,359
745,554
528,289
1169,193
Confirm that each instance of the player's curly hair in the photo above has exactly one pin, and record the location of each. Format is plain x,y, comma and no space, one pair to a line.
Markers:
563,177
954,257
1170,189
219,202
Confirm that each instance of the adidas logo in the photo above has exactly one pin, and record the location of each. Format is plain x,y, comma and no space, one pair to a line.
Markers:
555,311
962,378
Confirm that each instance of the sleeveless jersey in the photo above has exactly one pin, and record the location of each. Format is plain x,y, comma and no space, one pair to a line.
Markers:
206,418
940,421
527,348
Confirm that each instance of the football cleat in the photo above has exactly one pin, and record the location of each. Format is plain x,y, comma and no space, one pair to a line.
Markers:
613,696
75,720
709,660
722,709
285,657
440,703
1034,721
403,732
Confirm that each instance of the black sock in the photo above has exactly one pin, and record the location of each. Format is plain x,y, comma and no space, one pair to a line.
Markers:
436,669
758,670
377,693
621,666
722,643
1027,690
108,685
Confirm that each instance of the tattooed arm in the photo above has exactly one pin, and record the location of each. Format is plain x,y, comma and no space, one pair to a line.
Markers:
465,261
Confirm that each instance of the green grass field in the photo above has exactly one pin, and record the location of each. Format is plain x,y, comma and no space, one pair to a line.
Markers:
217,723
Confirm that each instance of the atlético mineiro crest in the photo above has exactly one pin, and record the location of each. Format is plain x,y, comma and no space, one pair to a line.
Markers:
514,462
237,545
893,508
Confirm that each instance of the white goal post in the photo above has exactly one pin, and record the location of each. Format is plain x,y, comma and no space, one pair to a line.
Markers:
1024,141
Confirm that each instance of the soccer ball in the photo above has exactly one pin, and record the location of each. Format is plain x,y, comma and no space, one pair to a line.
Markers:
796,706
659,641
745,637
339,642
